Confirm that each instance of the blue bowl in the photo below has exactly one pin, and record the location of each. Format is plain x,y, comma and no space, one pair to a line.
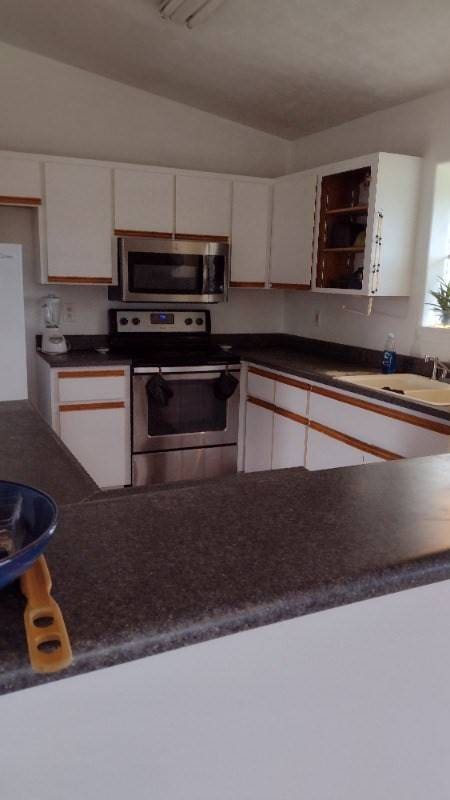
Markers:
36,524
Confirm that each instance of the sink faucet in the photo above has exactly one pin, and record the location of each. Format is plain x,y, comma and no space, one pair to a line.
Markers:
437,365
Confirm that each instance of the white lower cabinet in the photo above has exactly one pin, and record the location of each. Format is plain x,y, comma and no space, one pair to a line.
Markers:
90,410
324,452
288,443
312,425
368,458
97,435
258,438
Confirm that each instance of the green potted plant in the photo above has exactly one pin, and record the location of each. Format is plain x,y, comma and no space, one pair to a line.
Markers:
442,304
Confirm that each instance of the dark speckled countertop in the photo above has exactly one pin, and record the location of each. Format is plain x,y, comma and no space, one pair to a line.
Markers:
140,574
30,452
330,371
328,365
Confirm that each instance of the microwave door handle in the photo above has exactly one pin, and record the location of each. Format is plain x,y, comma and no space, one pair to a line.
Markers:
205,273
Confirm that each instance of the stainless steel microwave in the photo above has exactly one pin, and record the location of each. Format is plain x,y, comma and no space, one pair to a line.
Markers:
171,271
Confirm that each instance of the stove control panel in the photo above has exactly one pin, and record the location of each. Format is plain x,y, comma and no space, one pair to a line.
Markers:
138,321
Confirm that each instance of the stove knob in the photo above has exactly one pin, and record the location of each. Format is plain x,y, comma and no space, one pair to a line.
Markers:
188,321
199,321
136,321
123,321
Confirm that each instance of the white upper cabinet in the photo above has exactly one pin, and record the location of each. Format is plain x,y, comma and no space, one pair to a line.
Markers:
294,203
144,201
20,179
250,230
366,225
79,223
203,206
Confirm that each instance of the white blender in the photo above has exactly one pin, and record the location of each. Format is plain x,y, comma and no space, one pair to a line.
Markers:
53,340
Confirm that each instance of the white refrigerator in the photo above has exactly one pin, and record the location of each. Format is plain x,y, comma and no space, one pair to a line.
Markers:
13,362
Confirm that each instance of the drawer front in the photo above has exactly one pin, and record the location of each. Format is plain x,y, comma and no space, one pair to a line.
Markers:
291,398
86,385
394,435
261,387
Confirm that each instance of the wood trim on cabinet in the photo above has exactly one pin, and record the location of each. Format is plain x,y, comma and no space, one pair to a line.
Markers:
352,442
247,284
93,373
280,378
77,279
282,412
298,287
393,413
386,455
196,237
91,406
143,234
262,403
12,200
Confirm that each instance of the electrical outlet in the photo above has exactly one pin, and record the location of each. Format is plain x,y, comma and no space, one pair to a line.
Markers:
69,312
317,319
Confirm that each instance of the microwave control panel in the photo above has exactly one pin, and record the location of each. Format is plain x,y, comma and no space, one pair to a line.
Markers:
138,321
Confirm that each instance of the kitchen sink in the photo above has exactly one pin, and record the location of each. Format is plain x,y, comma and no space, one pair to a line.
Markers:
396,381
417,387
433,397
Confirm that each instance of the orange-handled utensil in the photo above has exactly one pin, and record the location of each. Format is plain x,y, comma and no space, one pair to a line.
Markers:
47,638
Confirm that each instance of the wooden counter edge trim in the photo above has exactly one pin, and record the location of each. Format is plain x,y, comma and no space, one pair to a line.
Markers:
273,376
262,403
93,373
198,237
12,200
77,279
386,455
90,406
298,287
247,284
437,427
142,234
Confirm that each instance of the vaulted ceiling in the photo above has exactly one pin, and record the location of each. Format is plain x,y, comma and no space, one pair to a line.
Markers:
288,67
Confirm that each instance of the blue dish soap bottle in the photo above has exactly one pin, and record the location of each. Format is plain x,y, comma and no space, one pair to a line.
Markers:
389,361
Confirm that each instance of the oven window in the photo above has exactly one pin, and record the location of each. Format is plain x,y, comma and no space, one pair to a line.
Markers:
193,408
165,273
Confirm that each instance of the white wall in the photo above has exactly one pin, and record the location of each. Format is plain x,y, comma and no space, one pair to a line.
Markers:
417,128
49,107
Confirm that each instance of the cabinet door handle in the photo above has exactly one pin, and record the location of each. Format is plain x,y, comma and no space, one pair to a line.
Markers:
90,406
93,373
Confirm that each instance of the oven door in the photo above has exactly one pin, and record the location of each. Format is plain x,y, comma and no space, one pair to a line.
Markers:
165,270
194,416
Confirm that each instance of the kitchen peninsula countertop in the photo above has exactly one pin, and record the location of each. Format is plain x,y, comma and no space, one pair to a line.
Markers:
30,452
140,573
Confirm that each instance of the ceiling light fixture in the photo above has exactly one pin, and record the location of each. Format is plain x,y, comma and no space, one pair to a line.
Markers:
188,12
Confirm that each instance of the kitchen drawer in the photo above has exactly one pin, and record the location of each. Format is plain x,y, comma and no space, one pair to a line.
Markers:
260,386
290,396
86,385
402,434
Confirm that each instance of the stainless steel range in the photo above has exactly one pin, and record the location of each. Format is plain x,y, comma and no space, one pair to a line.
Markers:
185,395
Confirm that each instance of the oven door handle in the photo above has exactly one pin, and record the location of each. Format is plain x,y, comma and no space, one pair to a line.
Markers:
213,369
